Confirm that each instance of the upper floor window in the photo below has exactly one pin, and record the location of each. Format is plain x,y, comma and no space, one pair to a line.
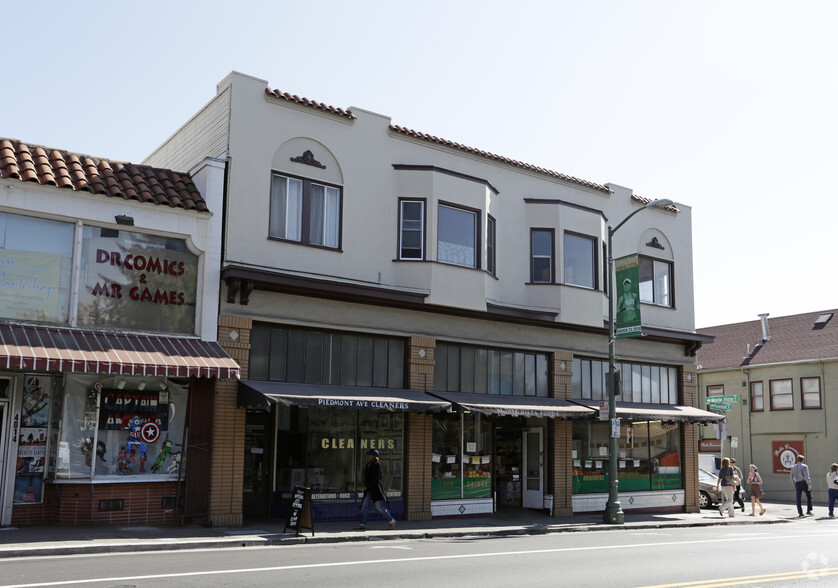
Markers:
457,236
580,260
304,211
541,263
478,370
412,229
36,257
490,245
757,398
655,281
810,390
781,395
657,384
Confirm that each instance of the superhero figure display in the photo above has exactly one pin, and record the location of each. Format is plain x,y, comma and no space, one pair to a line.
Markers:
135,441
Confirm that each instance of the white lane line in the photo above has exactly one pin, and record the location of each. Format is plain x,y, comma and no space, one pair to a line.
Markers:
397,560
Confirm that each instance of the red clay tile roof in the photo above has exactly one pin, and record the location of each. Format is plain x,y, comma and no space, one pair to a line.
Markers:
114,179
311,103
447,143
671,207
791,338
500,158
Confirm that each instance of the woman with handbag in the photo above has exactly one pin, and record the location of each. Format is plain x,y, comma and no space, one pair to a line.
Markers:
755,485
728,481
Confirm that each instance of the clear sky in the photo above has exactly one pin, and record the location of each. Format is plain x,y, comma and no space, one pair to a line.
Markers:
729,107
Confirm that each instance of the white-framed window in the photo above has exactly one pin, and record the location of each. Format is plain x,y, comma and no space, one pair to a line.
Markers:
757,397
580,267
490,246
412,229
541,256
781,394
810,392
655,281
304,211
457,236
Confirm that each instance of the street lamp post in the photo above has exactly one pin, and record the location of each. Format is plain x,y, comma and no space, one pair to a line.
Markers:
613,511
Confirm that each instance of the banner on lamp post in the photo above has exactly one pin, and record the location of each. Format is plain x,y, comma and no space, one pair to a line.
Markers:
627,290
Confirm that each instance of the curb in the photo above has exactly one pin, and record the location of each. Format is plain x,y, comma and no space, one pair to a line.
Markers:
104,547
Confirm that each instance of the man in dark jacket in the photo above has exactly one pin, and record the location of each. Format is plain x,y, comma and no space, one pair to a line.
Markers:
374,491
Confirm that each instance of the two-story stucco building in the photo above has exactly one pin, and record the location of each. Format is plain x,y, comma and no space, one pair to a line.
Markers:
385,288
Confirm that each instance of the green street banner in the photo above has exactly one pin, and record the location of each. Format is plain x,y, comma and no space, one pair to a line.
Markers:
627,289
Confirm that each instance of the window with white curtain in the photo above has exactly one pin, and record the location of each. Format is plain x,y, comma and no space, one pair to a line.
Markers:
304,211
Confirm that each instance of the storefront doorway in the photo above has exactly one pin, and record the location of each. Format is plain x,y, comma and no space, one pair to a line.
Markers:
533,487
258,459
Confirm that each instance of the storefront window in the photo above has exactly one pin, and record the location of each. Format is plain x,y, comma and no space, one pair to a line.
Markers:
649,456
36,258
325,449
461,458
121,428
135,281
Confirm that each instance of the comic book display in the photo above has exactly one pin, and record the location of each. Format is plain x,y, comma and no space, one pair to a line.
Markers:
121,427
33,437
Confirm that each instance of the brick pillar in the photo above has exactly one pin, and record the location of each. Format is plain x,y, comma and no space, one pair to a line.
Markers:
225,508
418,434
689,440
560,470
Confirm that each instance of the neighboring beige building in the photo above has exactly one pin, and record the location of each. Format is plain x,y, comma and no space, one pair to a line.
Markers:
367,265
783,372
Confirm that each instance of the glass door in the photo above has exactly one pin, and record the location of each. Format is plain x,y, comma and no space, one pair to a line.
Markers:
533,491
6,477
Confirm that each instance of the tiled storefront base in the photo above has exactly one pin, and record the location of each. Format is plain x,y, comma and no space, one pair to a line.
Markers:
462,508
660,500
337,512
150,503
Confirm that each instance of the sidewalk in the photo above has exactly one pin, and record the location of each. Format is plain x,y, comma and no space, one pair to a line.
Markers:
42,540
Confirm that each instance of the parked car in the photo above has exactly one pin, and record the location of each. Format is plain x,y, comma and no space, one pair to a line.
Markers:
707,495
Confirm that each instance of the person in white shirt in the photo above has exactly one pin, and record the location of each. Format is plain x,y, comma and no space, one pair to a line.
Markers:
832,487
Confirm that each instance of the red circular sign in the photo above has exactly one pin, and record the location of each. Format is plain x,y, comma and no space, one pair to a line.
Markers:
150,432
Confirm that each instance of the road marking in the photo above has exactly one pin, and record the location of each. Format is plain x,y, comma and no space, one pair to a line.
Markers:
762,578
391,547
380,562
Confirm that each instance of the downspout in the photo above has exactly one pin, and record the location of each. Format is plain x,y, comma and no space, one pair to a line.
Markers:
747,373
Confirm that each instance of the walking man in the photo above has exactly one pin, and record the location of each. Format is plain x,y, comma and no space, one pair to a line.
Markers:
737,497
374,491
802,483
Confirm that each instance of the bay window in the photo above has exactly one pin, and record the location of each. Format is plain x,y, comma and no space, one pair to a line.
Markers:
457,236
541,251
580,260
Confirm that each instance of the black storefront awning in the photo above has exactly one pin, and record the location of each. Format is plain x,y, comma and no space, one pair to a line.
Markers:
518,406
671,413
258,394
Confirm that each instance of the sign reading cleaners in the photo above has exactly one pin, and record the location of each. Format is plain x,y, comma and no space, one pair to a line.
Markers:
137,281
627,291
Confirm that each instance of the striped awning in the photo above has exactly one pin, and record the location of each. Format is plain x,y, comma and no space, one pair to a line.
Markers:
53,349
